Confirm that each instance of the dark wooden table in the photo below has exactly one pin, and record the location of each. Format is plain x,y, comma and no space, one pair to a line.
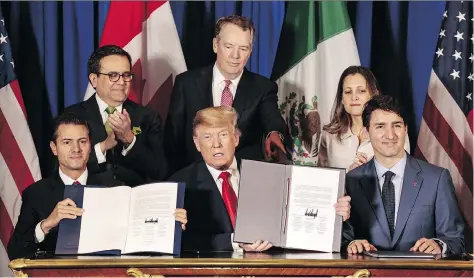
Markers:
238,265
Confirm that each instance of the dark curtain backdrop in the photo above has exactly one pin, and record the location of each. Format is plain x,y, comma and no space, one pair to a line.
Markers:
52,41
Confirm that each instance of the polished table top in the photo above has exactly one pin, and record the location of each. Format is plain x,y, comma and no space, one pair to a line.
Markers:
284,258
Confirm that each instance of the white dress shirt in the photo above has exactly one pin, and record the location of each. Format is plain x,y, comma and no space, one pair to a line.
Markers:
397,180
101,157
234,182
218,85
39,234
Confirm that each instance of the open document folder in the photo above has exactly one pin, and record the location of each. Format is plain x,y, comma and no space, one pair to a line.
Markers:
122,220
290,206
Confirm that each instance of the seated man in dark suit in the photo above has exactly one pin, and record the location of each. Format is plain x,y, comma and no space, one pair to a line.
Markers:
43,206
399,202
126,137
226,82
212,185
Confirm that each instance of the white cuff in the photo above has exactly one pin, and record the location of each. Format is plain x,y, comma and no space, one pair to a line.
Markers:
443,245
279,134
126,150
98,153
39,234
235,245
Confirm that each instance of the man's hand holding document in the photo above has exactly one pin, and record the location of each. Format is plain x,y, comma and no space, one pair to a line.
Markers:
291,206
123,220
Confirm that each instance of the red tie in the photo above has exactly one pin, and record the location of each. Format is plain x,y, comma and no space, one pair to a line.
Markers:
226,98
229,197
76,183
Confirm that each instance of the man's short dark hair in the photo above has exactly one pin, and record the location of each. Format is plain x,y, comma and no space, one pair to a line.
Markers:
93,65
382,102
243,22
68,118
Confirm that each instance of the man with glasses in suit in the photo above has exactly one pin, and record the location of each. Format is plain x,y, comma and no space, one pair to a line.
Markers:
126,136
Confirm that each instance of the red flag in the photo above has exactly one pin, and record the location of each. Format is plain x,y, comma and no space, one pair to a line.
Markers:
147,31
19,165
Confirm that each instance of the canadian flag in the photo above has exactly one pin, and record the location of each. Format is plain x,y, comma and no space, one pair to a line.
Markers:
147,31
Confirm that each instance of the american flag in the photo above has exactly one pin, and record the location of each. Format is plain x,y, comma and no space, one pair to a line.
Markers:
446,132
19,165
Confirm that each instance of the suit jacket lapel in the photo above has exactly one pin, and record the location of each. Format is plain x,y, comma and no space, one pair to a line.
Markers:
412,182
127,105
370,186
57,187
94,119
204,88
207,183
243,93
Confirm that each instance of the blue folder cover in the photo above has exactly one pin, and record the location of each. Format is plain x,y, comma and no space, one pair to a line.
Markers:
70,229
177,230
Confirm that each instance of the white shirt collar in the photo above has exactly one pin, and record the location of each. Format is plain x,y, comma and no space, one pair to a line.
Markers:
67,180
398,169
233,170
347,134
218,77
103,105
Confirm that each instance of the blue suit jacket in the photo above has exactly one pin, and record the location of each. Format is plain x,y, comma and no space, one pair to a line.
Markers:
428,208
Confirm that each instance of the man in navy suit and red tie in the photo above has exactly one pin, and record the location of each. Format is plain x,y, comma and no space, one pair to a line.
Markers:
212,185
226,82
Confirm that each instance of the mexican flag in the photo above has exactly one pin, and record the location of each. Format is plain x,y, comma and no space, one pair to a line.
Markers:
316,45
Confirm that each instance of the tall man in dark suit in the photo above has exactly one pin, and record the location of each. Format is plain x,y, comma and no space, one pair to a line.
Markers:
212,185
399,202
126,137
43,206
227,82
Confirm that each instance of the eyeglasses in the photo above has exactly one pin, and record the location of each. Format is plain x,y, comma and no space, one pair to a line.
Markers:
115,76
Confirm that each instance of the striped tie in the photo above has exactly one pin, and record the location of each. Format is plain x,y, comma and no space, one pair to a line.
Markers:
110,110
226,98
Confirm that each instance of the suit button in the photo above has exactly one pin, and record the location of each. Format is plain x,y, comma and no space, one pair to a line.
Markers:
115,167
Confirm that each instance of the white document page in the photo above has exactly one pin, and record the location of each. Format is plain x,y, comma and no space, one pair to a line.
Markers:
151,219
311,213
104,221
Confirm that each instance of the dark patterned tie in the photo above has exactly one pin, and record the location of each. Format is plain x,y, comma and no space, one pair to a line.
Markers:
388,198
76,183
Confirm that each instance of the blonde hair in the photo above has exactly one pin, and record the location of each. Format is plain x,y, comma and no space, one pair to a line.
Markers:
216,117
